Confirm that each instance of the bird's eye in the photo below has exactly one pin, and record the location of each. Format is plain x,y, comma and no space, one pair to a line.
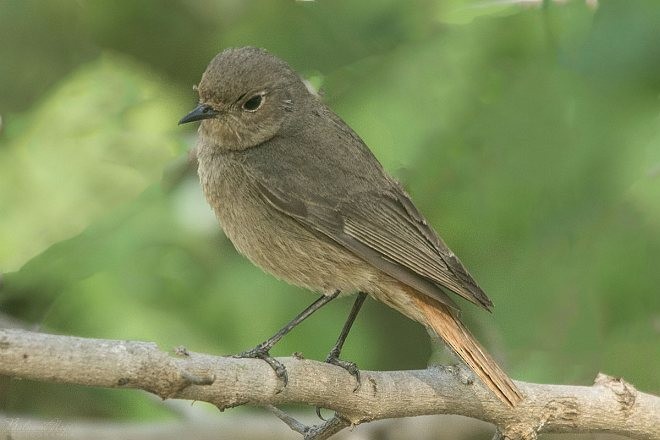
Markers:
253,103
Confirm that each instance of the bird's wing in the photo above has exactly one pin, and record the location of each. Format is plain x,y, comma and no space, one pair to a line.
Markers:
385,229
329,181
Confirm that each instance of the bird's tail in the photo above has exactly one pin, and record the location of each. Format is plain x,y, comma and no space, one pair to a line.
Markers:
441,319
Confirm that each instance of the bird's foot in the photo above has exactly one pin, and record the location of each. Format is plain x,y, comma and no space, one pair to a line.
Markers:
351,367
261,352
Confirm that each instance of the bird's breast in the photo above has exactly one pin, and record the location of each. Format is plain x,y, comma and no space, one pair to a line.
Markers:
270,239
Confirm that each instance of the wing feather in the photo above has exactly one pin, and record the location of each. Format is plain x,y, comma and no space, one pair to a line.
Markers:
383,223
373,227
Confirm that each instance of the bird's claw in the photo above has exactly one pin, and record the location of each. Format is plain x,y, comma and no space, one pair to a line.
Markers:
260,352
351,367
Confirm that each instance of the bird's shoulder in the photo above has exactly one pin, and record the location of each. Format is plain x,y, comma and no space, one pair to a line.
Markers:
323,157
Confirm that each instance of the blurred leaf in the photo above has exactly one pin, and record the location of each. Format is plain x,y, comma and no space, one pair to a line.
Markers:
464,11
95,141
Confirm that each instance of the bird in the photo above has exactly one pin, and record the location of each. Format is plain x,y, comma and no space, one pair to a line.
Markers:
300,194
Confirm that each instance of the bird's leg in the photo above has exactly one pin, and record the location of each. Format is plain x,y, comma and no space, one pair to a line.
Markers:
262,351
333,356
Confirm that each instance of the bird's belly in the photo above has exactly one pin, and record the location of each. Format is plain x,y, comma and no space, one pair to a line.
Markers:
279,244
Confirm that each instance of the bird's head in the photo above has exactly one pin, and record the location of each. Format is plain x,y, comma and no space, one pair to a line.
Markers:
247,96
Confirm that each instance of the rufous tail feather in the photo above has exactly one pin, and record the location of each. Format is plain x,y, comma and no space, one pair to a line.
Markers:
443,322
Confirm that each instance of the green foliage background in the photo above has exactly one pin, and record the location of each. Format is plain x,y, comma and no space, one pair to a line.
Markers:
530,137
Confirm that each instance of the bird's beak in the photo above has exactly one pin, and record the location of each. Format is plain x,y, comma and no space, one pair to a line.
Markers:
202,111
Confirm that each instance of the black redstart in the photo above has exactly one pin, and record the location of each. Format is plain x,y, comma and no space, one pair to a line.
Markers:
302,196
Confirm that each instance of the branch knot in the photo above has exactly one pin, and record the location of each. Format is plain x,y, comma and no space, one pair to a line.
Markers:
625,393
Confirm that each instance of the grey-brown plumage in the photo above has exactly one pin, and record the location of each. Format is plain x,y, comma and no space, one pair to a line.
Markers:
300,194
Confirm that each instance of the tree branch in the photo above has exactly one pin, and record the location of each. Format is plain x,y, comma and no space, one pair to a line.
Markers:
610,405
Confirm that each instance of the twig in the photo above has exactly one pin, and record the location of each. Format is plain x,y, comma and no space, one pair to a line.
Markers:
292,423
318,432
